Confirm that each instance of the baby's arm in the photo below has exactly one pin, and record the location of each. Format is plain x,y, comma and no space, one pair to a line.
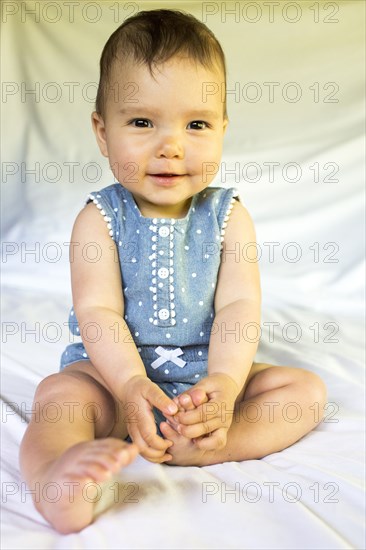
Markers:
99,308
234,338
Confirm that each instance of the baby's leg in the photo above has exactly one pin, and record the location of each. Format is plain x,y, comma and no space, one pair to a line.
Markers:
276,408
83,445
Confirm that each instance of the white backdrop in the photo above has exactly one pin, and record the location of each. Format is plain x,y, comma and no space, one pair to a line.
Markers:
294,149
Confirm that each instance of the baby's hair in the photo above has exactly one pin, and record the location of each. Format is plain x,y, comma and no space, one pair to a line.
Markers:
153,37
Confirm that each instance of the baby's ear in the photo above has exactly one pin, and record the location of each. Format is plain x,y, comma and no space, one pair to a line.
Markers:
225,125
99,131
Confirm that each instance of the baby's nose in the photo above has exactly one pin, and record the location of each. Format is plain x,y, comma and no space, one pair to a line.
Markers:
170,145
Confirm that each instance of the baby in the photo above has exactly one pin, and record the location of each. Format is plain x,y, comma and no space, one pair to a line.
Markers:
160,369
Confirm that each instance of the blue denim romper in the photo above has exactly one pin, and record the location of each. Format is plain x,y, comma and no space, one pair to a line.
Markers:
169,270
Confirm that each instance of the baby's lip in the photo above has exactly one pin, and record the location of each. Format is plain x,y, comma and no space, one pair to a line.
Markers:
166,174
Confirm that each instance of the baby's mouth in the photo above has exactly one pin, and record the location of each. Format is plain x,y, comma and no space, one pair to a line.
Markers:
166,175
166,179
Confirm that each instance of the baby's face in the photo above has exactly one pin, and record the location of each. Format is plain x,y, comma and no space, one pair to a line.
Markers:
170,124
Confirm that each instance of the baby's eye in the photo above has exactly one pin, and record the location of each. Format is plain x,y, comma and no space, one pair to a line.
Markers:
198,125
141,123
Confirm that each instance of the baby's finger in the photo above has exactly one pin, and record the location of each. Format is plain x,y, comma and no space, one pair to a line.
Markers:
195,416
196,430
157,398
157,459
154,441
203,413
172,422
146,429
191,399
149,452
198,396
176,401
146,439
216,441
186,402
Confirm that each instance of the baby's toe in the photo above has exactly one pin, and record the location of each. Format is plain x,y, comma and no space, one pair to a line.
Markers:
99,472
120,453
127,454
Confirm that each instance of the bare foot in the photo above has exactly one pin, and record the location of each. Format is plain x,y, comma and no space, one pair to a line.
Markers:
68,486
184,451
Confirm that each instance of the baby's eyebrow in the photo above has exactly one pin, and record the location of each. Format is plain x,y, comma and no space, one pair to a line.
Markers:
206,113
140,110
137,110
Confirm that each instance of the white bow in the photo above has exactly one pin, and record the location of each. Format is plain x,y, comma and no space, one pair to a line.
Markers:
168,355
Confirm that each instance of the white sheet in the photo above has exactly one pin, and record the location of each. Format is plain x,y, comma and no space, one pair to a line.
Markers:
221,506
319,299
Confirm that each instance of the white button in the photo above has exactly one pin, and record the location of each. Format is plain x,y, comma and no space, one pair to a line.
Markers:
163,314
164,231
163,272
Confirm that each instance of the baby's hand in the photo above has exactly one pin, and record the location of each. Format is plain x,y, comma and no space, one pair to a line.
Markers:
210,417
190,400
187,401
141,393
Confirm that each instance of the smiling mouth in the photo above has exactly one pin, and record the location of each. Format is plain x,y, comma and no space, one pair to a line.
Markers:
166,179
167,175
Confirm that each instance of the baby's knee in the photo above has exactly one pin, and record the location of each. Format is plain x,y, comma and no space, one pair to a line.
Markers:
317,385
66,387
76,397
49,387
313,388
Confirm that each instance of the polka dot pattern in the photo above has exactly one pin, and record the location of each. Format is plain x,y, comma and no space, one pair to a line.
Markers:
177,303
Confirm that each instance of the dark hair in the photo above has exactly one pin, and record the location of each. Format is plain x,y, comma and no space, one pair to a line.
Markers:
153,37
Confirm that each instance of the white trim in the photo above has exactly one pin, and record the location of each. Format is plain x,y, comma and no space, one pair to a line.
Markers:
226,219
108,219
